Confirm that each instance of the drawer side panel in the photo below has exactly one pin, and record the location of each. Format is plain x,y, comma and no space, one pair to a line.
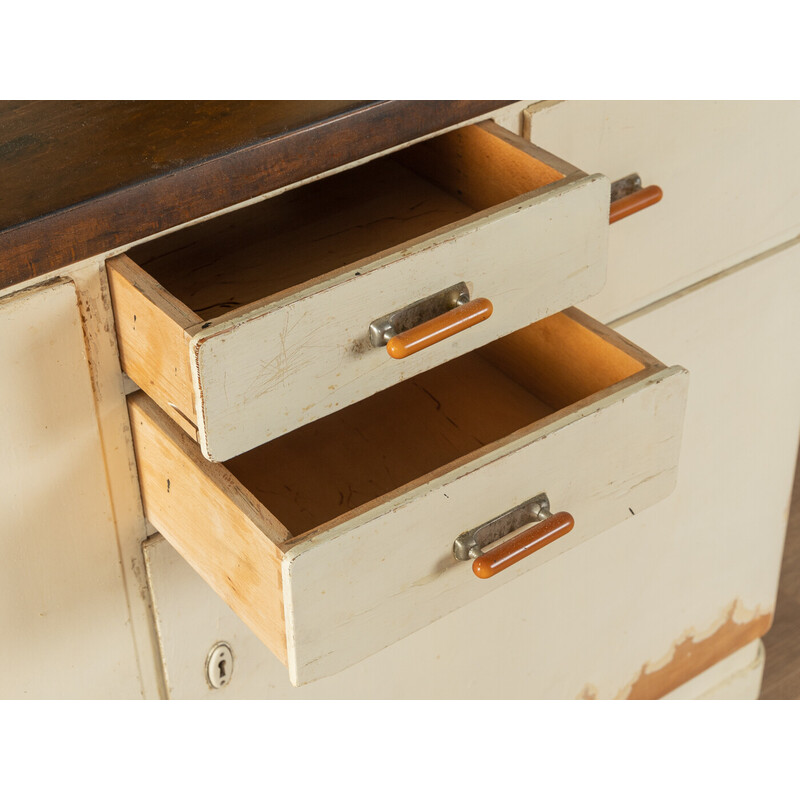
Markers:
153,343
207,517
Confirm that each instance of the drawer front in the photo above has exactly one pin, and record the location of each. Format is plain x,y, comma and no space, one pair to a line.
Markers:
327,598
270,367
728,194
367,583
282,367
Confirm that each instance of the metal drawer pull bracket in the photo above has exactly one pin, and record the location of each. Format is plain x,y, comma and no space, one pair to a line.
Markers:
547,528
415,327
628,197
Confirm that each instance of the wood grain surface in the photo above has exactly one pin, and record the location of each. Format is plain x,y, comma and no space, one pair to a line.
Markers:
82,177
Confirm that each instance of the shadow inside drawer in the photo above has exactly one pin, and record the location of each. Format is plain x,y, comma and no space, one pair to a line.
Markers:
339,462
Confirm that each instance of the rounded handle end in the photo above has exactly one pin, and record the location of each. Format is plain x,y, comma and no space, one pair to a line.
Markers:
523,544
626,206
441,327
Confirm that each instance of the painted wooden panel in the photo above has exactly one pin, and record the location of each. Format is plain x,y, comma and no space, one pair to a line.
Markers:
439,662
730,188
63,605
300,359
366,583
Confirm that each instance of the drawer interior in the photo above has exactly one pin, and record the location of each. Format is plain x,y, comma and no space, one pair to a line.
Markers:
303,234
316,473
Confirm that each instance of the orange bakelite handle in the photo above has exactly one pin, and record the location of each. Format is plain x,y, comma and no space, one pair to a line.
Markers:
434,330
523,544
626,206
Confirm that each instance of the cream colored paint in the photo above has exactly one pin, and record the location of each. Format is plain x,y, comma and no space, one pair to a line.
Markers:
64,610
361,586
438,662
120,467
299,358
729,175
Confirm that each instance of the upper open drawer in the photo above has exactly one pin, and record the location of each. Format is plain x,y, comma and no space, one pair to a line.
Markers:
260,321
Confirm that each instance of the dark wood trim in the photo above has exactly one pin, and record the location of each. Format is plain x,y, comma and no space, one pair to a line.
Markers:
154,204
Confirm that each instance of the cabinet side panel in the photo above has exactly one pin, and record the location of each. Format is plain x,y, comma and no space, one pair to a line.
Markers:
62,593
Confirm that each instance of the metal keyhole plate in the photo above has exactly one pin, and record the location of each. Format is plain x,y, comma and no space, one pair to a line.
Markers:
219,665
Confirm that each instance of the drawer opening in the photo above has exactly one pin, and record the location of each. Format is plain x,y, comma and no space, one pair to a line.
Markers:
304,234
336,464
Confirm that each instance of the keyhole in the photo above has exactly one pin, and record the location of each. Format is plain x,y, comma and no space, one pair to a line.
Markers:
219,665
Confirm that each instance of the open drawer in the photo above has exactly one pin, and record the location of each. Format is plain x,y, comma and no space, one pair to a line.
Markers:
260,321
337,539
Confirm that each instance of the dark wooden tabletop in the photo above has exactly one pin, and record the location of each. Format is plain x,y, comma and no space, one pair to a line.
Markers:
78,178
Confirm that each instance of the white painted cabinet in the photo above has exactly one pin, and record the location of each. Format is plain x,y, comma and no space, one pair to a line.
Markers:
669,602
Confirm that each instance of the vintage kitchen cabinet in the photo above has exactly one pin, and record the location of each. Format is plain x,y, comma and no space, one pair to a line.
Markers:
323,508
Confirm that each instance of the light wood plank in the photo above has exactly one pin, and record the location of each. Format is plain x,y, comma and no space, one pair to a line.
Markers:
567,357
216,524
484,165
153,343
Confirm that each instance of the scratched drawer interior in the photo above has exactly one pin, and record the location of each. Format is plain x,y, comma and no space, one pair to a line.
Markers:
251,324
245,525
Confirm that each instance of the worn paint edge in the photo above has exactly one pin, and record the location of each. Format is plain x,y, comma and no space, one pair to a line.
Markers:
694,652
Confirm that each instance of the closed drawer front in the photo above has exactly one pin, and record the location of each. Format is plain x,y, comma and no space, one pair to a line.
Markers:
251,325
728,193
336,540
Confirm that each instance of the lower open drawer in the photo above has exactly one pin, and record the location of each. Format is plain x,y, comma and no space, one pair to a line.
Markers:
337,539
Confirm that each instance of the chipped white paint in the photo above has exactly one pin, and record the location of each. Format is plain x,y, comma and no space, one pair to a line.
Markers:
736,677
360,586
293,360
598,612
